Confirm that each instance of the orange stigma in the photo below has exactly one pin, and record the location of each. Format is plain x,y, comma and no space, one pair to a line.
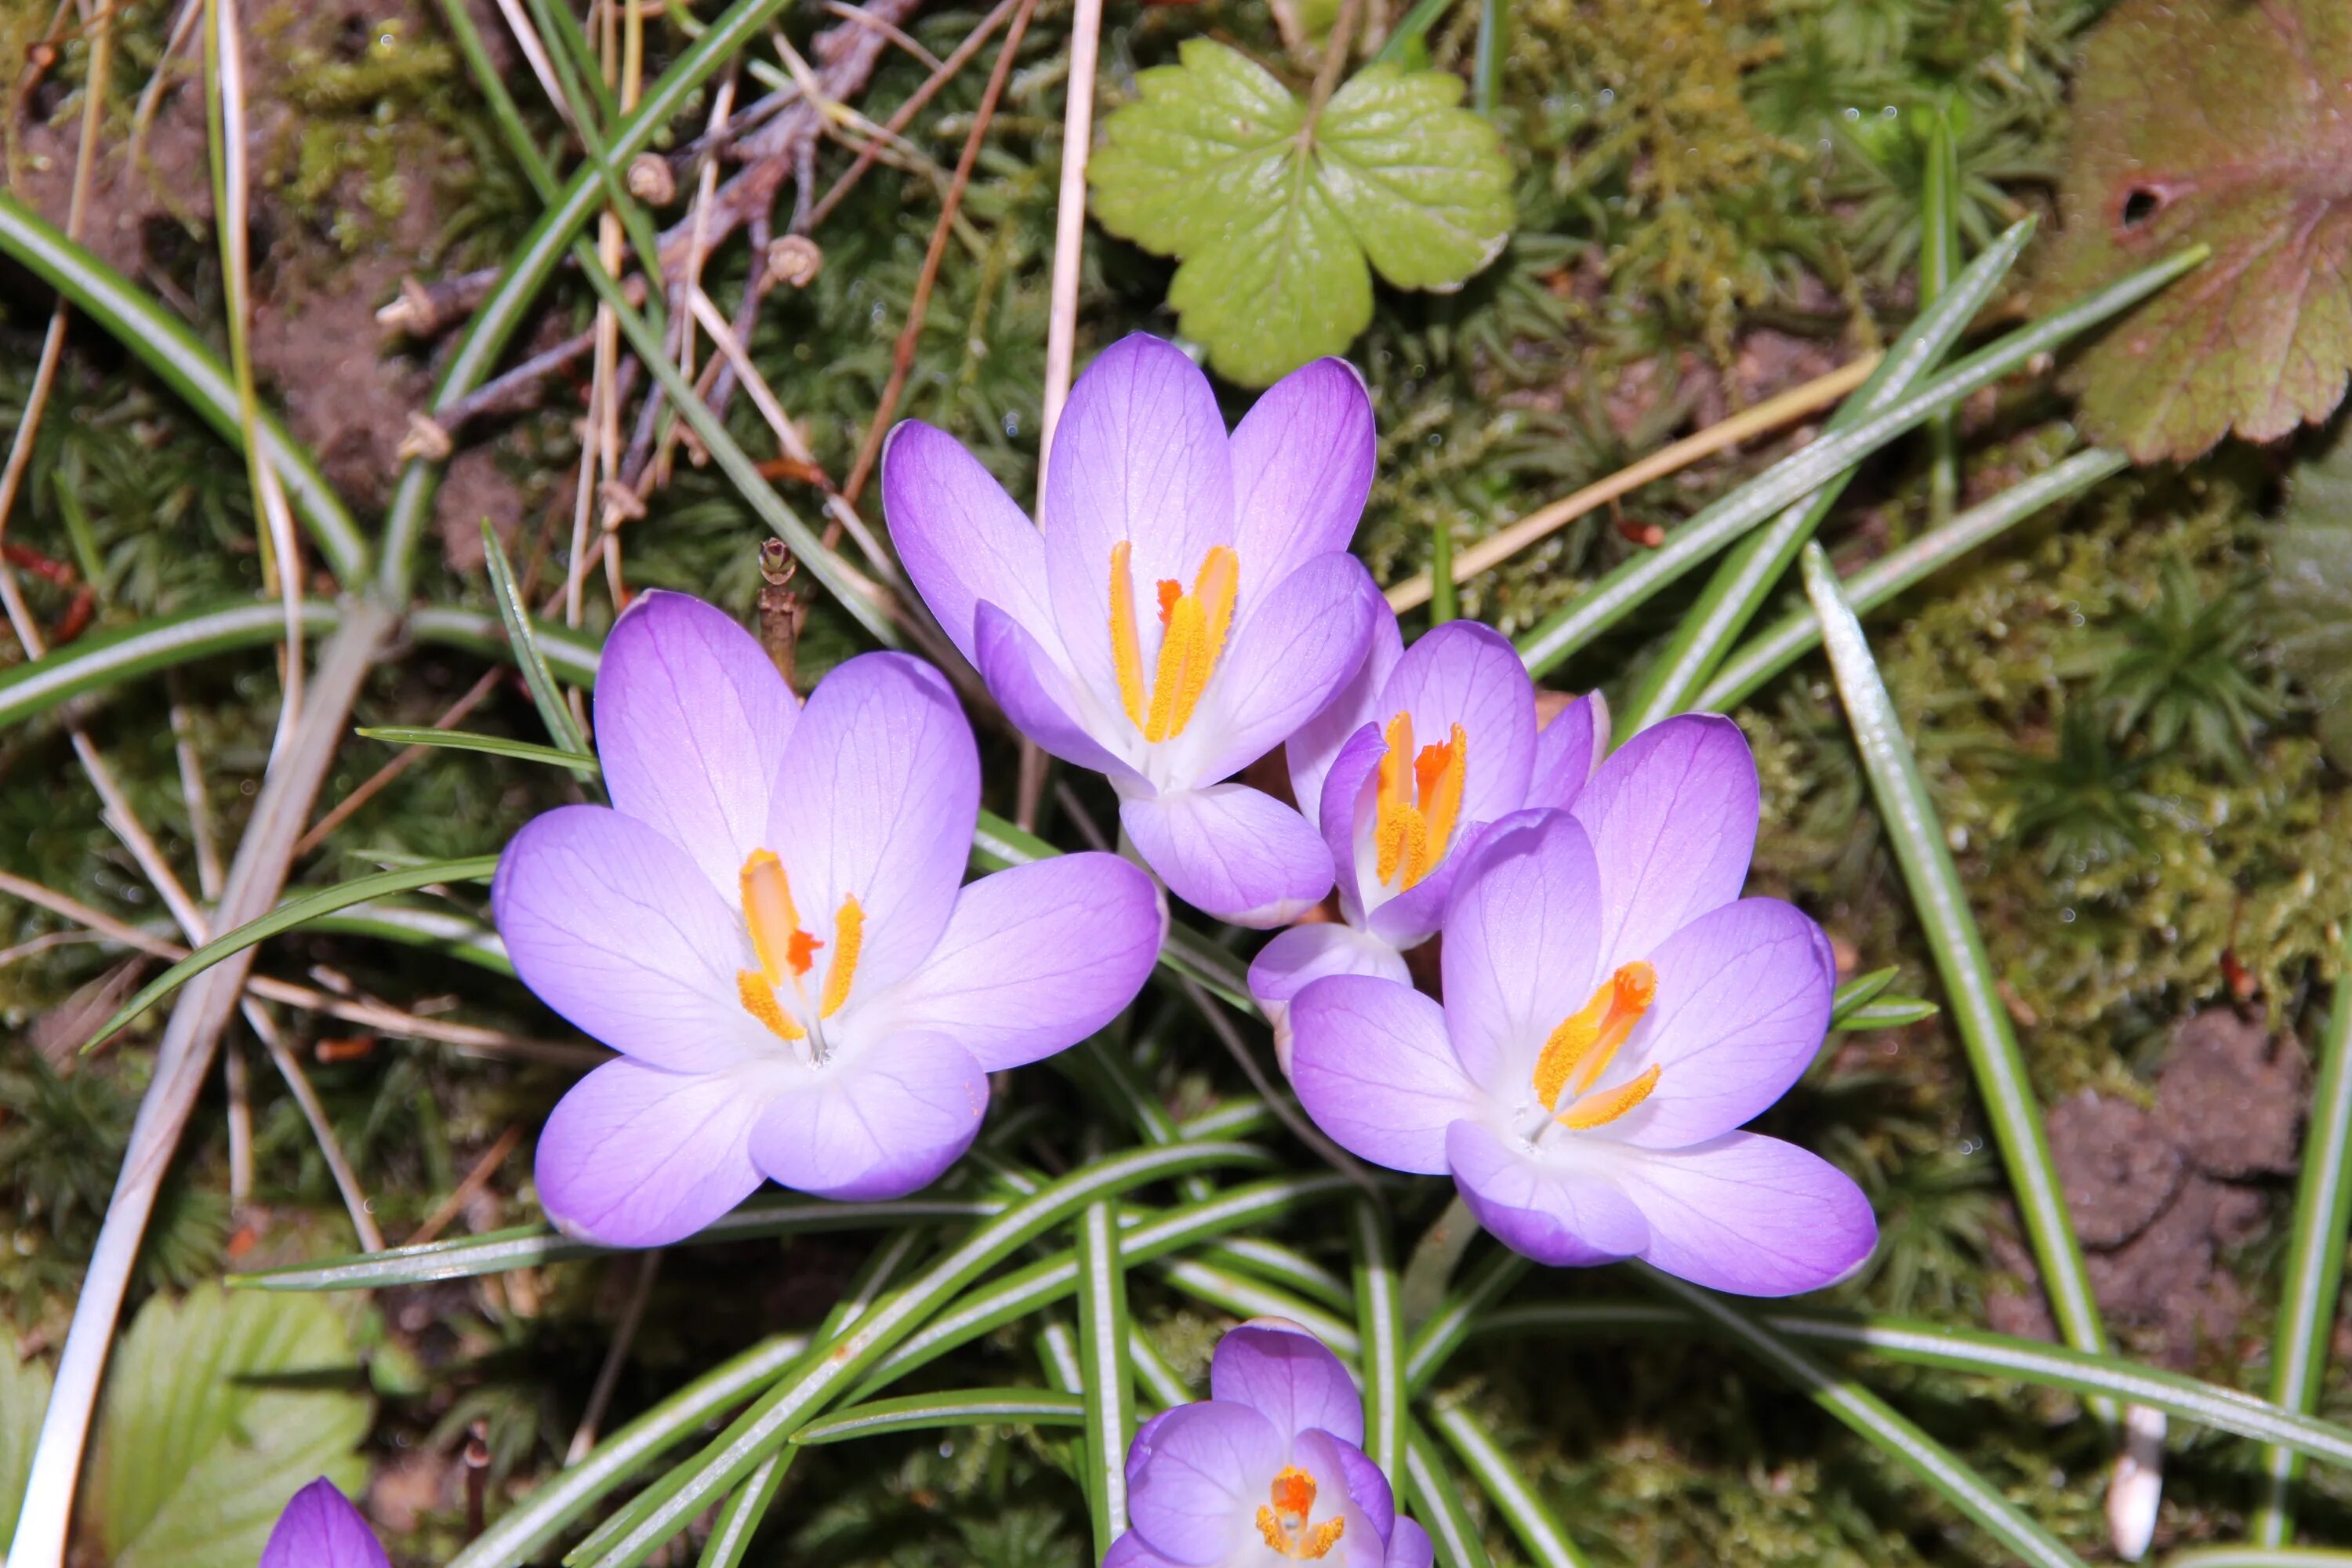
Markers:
1283,1521
1420,797
1193,627
1589,1039
787,950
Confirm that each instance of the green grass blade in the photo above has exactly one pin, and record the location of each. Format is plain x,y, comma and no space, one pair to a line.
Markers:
1769,652
1052,1279
1970,1350
1887,1013
437,931
834,1365
1279,1265
1158,1381
1941,900
530,1245
1410,34
467,741
571,654
739,1520
526,271
2315,1262
1435,1501
964,1407
2259,1557
1939,263
856,594
290,914
1379,1323
1630,585
1493,47
553,711
518,1534
1246,1297
1859,989
1707,630
1539,1529
1866,1413
1108,1407
1443,1333
107,658
165,344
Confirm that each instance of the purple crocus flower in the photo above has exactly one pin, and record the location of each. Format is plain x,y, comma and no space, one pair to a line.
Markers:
1267,1471
1613,1012
1420,753
1189,603
769,925
320,1529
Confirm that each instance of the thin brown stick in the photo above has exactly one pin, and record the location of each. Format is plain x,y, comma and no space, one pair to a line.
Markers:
408,758
1069,226
608,1376
905,113
1770,414
902,356
478,1178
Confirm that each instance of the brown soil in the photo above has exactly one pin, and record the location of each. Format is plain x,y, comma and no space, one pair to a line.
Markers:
316,343
2158,1195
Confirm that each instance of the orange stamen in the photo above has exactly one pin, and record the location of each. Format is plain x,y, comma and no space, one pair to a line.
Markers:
775,922
1125,647
1196,624
848,935
759,999
1589,1038
1284,1524
1419,801
1599,1110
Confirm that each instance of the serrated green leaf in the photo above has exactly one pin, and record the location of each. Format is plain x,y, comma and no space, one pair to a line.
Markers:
24,1398
1279,219
2232,124
217,1409
2310,591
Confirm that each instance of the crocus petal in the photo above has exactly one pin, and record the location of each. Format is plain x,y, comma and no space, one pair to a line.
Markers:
1208,1471
1037,697
1302,640
1746,1214
961,539
614,927
1539,1208
1672,814
1367,1485
1363,1535
1302,463
1743,1000
877,799
320,1529
1316,746
1467,674
1567,751
1231,851
879,1125
1519,938
1129,1551
1346,807
1139,456
634,1156
1373,1067
691,723
1287,1375
1298,957
1415,915
1034,959
1410,1546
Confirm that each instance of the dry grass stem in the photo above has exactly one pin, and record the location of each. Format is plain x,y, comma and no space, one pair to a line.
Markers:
1770,414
